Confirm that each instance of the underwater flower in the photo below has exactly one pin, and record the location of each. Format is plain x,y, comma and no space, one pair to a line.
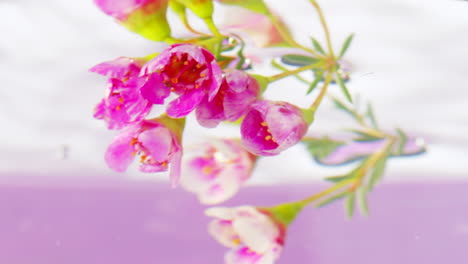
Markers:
253,236
216,170
145,17
237,92
157,142
187,70
123,103
270,127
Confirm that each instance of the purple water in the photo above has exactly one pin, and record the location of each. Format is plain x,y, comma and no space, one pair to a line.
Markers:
114,221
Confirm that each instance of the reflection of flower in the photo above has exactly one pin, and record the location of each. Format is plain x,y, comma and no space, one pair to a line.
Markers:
254,237
257,26
187,70
145,17
236,93
123,104
216,170
158,144
271,127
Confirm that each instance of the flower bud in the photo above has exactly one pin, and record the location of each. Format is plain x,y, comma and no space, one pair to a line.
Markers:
270,127
144,17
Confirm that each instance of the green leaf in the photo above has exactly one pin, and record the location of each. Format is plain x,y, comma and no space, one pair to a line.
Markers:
346,44
343,87
338,178
298,60
318,78
332,199
402,138
322,147
349,205
377,173
362,201
371,116
317,46
340,106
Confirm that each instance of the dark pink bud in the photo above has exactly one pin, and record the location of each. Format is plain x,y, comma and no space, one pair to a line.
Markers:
271,127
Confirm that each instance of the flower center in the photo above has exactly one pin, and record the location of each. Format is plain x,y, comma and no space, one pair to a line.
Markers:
183,73
144,153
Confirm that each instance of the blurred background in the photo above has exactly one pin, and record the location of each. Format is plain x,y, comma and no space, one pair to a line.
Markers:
59,203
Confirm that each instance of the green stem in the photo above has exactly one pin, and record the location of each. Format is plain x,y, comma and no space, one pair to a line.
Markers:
287,36
325,192
322,93
282,75
370,163
212,27
325,27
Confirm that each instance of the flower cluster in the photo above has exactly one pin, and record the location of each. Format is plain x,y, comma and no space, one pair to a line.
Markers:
208,77
192,78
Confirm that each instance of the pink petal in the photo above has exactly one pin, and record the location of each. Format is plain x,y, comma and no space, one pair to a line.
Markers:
185,103
119,153
154,90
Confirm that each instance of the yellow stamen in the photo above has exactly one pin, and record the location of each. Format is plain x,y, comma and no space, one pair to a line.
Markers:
202,75
207,170
236,241
268,137
198,66
185,62
263,123
121,100
117,108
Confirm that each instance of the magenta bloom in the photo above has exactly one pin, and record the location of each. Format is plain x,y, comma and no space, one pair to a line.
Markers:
254,237
187,70
216,170
271,127
237,92
157,145
123,103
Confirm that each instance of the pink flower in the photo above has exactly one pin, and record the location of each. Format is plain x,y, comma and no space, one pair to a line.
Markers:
123,103
237,92
215,171
156,142
187,70
271,127
145,17
253,236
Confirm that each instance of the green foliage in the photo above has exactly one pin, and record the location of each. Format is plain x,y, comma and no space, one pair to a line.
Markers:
298,60
377,173
343,87
318,78
349,204
322,147
331,199
345,46
371,116
402,141
317,46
